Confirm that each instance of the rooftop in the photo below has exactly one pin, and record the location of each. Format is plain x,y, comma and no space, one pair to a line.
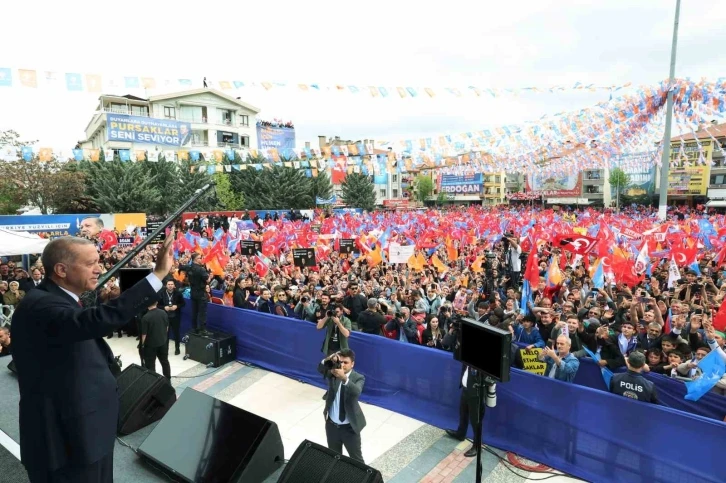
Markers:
705,132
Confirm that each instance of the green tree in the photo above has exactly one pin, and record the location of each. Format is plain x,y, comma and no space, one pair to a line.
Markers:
13,139
358,191
320,186
619,180
167,182
189,180
226,196
11,198
424,187
118,187
288,187
46,185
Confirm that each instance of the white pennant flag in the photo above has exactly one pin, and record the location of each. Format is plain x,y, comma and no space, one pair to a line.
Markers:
673,273
641,263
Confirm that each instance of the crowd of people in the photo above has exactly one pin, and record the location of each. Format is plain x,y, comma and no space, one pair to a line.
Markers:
475,264
276,123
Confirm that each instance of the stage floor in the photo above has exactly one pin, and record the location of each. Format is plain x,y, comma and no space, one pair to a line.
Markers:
403,449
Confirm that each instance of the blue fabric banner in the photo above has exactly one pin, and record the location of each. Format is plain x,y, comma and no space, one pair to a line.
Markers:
585,432
135,129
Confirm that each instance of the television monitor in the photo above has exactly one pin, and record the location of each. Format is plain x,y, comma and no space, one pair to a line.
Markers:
127,277
486,348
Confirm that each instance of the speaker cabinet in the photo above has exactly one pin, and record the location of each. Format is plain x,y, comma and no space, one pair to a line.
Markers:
145,397
203,439
313,462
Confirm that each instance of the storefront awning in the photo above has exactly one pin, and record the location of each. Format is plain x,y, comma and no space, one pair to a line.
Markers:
717,203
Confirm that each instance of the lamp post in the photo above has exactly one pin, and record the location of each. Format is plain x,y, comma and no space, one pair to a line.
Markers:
665,158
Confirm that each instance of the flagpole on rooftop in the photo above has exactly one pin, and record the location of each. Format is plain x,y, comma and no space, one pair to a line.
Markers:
665,158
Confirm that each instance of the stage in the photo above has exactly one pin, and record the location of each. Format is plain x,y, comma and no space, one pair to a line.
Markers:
403,449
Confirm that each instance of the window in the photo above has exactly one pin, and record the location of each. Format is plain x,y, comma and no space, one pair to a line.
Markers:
140,111
225,116
594,189
718,179
394,193
244,141
244,120
497,179
169,112
383,193
394,179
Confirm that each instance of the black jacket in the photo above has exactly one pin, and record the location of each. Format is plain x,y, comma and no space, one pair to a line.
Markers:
635,386
176,299
69,401
370,322
197,275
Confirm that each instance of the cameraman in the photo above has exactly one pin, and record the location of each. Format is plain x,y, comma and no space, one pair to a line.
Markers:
344,419
306,308
402,326
337,330
370,320
322,306
513,263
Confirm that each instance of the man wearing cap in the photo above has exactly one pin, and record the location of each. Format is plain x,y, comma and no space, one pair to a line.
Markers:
370,320
632,384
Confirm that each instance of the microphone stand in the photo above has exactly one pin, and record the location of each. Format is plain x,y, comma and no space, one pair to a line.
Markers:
482,383
137,249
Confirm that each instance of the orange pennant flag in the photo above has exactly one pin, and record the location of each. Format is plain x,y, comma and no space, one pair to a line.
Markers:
451,251
438,264
374,257
476,266
415,263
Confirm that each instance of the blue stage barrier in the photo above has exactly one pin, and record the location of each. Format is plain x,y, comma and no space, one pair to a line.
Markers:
579,430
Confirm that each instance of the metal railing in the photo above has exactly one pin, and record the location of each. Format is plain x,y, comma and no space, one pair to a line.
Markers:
127,112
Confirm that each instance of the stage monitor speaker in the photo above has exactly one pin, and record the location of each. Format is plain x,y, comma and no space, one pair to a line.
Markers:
203,439
145,397
313,462
127,277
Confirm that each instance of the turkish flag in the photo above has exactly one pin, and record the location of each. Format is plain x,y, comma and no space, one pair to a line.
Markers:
719,318
108,238
577,244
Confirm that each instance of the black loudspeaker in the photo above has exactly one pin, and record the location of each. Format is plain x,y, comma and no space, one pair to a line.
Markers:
203,439
313,462
214,349
145,397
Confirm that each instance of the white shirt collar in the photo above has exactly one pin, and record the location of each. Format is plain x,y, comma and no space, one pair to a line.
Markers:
75,297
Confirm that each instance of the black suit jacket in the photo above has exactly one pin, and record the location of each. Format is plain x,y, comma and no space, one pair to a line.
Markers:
69,401
197,276
176,299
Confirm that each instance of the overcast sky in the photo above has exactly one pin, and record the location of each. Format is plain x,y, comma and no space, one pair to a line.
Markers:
389,43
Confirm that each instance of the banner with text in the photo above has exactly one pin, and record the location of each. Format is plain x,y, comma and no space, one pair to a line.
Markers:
555,185
531,362
690,168
49,226
134,129
275,137
400,253
468,184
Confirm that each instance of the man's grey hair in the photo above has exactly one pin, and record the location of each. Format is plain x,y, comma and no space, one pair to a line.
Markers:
97,220
5,329
61,250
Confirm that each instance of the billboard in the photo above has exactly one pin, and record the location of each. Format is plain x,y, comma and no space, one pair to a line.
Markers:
145,130
48,226
468,184
555,185
275,137
690,168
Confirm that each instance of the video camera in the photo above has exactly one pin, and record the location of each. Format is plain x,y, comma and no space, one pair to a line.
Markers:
332,363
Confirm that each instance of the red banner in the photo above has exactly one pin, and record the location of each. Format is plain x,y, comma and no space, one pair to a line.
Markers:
578,244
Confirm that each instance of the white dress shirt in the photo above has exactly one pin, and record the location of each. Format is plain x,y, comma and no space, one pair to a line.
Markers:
333,414
151,278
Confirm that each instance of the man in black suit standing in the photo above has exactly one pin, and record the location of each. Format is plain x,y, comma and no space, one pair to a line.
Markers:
69,402
469,408
198,277
36,277
344,419
171,300
155,339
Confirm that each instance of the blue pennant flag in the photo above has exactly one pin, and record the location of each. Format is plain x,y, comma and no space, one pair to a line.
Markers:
713,367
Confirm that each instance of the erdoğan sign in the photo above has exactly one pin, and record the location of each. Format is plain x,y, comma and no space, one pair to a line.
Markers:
303,257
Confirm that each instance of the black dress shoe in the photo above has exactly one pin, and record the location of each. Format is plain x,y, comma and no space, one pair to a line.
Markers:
471,452
176,352
455,434
109,336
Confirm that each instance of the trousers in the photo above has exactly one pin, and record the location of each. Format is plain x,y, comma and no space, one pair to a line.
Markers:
199,314
174,324
162,353
343,435
468,407
99,472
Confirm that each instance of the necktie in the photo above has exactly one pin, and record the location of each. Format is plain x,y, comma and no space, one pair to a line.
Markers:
341,409
80,304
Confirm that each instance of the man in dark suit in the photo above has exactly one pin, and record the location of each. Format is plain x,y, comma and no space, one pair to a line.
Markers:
469,408
69,402
155,339
171,300
28,284
344,419
198,277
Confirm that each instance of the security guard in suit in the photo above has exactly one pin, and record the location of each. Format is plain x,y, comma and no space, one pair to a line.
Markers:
198,277
632,384
469,408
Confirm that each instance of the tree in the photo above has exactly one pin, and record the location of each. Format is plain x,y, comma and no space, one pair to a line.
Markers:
11,198
13,139
358,191
121,187
46,185
424,187
227,197
288,188
619,180
167,182
320,186
190,179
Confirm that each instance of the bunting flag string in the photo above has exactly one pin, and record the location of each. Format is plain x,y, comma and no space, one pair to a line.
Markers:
605,135
97,83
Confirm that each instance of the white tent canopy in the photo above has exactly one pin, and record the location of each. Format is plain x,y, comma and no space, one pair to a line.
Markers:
20,243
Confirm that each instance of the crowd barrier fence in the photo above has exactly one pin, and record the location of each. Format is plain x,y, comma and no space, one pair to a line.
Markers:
576,429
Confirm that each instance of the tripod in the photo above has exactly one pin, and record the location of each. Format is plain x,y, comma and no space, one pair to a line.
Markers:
488,383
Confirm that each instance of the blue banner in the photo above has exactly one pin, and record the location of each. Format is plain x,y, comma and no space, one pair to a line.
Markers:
380,178
329,201
145,130
47,225
275,137
469,184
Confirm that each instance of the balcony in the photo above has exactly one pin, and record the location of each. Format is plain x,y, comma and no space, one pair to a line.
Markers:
194,119
125,111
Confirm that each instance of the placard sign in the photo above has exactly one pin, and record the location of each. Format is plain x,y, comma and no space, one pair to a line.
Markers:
250,247
303,257
347,245
531,362
125,241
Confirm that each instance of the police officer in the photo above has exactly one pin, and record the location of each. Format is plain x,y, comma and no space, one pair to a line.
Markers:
632,384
